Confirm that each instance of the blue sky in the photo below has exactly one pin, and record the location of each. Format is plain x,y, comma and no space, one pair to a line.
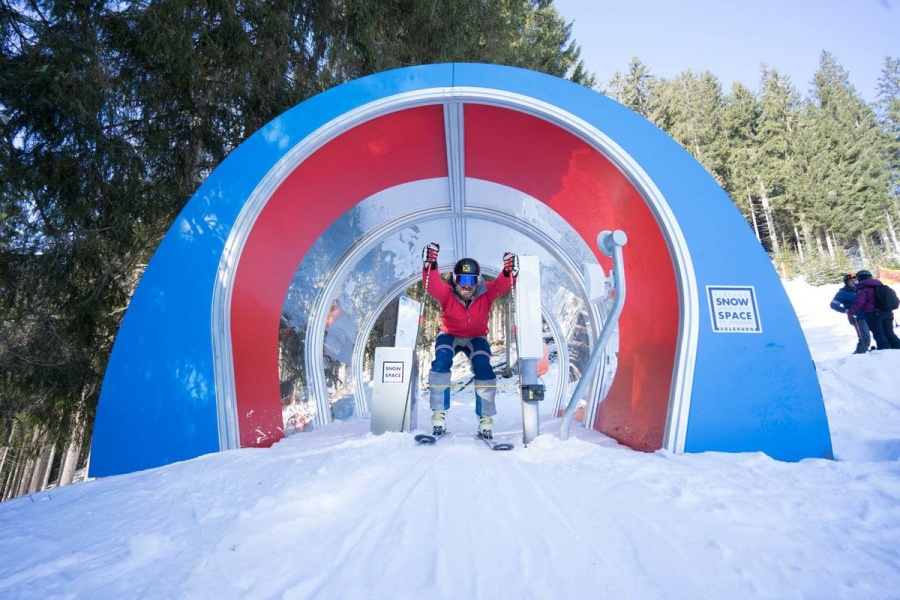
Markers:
732,38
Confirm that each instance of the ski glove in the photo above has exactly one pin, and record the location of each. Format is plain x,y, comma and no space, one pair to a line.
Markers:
510,264
430,254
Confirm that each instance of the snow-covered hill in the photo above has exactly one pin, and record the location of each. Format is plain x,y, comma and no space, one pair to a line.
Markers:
339,513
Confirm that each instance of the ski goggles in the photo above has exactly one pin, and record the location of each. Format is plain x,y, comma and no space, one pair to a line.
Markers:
467,280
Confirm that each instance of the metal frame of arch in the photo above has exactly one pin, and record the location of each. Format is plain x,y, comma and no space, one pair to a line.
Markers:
194,366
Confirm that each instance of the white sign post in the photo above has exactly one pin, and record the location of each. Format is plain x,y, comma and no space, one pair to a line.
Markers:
393,397
392,406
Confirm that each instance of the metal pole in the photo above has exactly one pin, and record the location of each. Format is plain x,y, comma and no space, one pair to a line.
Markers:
610,243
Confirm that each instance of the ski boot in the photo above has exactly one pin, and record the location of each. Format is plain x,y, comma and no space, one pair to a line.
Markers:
437,423
485,427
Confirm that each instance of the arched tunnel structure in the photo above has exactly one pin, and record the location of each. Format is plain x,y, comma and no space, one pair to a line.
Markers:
313,225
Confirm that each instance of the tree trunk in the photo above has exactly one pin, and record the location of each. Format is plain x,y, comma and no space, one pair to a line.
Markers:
829,239
4,478
886,242
20,476
7,463
5,453
73,451
770,220
807,234
12,482
37,474
30,466
753,216
863,251
893,232
799,241
51,455
41,473
25,478
70,460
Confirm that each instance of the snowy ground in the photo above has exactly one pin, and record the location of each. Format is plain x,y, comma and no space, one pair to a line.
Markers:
338,513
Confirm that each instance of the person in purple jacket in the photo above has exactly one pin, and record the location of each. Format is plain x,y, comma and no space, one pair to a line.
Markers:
881,322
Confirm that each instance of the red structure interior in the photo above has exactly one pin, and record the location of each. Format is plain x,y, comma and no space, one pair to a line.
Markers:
591,194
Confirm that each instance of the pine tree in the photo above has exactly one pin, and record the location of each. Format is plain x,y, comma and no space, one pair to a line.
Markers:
68,177
545,43
840,172
694,108
888,106
369,37
779,106
741,116
635,89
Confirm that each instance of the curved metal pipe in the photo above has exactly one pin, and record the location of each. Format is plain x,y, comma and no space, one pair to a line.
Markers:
610,243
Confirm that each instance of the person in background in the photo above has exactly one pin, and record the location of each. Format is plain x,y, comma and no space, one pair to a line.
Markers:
881,322
465,302
843,300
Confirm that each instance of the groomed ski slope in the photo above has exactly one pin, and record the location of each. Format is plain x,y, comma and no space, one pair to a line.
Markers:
339,513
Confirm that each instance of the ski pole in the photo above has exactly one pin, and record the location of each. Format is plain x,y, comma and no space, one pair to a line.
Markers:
419,330
424,296
508,334
422,307
514,329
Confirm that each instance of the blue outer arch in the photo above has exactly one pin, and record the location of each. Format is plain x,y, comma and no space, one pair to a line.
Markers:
751,392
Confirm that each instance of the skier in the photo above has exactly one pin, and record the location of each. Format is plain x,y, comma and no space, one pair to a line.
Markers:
881,322
465,302
843,300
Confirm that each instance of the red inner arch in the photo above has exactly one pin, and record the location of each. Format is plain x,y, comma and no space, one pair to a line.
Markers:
503,146
387,151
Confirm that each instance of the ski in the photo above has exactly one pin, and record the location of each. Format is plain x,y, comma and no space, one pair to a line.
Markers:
424,438
495,445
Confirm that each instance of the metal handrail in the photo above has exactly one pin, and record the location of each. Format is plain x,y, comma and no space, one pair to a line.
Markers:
610,243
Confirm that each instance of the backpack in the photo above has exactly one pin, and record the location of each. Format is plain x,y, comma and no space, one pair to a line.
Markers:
886,298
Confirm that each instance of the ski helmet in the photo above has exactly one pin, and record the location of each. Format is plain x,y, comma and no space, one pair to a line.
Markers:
467,266
864,274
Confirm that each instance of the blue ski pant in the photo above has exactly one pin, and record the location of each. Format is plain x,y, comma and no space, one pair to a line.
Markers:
478,351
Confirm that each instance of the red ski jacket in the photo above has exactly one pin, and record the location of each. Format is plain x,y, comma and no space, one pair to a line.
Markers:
460,320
